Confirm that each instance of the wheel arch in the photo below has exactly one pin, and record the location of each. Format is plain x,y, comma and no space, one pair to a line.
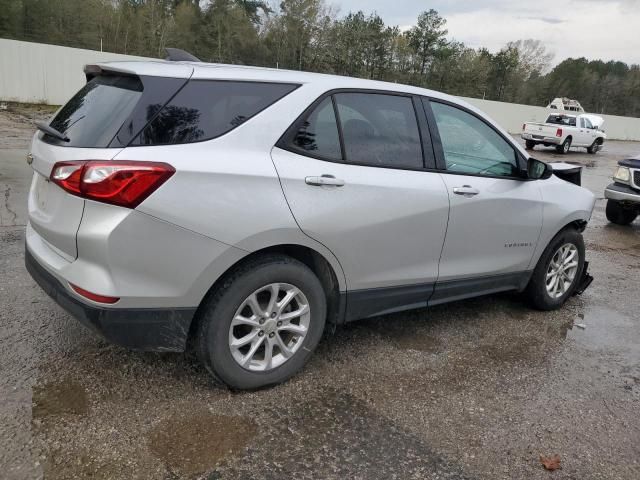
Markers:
316,261
578,224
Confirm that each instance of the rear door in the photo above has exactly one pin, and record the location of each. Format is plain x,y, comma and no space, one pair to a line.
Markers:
496,215
352,169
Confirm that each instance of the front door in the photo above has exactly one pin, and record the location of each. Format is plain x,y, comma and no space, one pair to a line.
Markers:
358,186
495,216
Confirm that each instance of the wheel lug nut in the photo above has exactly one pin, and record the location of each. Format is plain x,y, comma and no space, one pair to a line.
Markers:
279,324
260,333
271,335
261,321
273,315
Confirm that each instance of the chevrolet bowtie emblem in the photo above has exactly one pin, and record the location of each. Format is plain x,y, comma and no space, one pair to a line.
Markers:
30,158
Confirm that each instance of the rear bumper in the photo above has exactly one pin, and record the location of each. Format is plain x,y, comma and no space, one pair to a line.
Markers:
622,193
162,329
548,140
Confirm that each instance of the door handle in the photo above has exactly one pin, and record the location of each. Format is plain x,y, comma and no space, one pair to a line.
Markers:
466,191
324,180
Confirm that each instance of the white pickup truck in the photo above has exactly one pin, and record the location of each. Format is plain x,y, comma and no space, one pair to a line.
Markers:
565,131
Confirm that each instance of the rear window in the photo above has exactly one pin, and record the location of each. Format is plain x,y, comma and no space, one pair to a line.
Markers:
562,120
117,110
206,109
94,115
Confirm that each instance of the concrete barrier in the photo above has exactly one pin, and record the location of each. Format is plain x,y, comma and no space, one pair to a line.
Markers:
40,73
511,116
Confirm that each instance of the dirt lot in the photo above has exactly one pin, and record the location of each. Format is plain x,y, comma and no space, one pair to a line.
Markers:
477,389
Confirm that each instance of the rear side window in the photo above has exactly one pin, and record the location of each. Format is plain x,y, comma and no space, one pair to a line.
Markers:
205,109
318,133
95,114
379,130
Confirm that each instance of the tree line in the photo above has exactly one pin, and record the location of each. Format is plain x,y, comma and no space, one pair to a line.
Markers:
310,35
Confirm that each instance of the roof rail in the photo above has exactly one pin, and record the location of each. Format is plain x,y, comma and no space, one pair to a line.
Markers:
178,55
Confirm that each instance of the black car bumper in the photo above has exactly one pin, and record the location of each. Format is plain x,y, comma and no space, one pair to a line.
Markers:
163,330
622,193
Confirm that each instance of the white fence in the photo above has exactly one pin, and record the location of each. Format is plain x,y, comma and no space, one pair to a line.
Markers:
39,73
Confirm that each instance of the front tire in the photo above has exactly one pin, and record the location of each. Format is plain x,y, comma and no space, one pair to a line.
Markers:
262,324
593,149
558,271
620,215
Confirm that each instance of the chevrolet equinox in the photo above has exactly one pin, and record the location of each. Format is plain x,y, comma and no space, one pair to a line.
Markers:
237,211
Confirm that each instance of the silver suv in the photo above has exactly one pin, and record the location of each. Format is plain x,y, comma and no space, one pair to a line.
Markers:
239,211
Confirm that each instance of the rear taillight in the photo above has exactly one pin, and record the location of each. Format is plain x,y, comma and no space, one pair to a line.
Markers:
93,296
524,126
559,132
123,183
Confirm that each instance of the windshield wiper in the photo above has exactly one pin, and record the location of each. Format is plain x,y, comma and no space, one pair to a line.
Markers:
49,130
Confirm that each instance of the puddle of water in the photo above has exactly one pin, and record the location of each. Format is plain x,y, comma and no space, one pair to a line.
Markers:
59,398
198,443
606,329
610,333
512,350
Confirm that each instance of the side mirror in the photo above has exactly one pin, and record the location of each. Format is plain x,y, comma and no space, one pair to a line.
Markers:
537,170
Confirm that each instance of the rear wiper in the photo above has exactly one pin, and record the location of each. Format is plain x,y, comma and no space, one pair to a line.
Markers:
49,130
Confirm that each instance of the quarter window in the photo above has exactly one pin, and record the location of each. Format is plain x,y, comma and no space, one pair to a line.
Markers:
379,130
471,146
206,109
318,134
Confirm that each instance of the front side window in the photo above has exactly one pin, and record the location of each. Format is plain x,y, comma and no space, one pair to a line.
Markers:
379,130
587,123
471,146
205,109
318,133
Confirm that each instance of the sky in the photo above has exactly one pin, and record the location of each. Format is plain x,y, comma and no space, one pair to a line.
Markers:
595,29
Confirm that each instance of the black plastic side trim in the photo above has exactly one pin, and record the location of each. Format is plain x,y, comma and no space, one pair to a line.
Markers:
474,287
160,330
381,301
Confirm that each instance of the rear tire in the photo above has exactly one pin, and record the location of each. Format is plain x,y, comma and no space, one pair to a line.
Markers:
216,335
564,148
538,290
619,214
529,144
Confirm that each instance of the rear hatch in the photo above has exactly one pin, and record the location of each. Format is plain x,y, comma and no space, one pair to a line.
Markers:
99,121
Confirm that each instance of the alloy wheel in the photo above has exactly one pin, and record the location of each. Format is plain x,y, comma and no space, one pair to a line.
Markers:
562,270
269,327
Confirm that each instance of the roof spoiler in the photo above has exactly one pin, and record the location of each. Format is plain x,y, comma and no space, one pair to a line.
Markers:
177,55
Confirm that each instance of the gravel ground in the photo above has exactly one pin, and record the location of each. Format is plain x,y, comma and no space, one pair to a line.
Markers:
477,389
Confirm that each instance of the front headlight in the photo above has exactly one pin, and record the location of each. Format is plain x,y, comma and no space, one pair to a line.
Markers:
622,175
